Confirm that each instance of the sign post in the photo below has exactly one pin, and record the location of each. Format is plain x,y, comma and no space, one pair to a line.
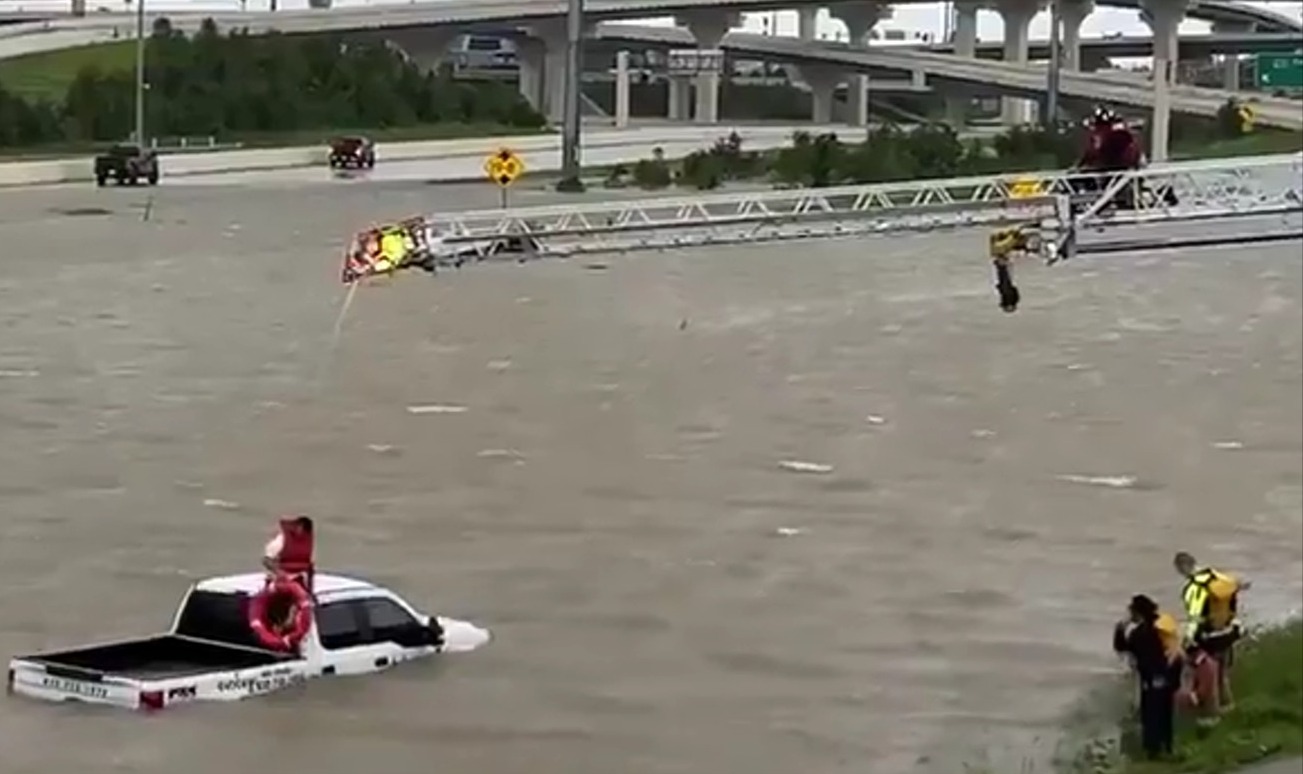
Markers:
503,167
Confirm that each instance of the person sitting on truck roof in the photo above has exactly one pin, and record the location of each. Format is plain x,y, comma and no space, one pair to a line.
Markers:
290,551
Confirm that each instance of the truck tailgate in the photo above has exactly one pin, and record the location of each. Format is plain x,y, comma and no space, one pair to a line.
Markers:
55,683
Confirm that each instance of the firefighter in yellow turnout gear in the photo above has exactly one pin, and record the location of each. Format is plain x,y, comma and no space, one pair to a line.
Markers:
1212,625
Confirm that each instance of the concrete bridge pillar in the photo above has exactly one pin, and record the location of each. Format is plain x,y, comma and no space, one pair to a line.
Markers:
78,7
1231,62
1164,17
806,19
541,56
531,62
860,17
680,102
709,28
823,81
1071,15
1017,16
965,42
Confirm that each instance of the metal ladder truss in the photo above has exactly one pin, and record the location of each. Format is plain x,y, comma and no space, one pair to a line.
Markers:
455,238
1224,190
735,218
1264,194
1059,206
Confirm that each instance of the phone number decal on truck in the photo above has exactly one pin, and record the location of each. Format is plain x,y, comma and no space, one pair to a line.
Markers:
76,687
263,683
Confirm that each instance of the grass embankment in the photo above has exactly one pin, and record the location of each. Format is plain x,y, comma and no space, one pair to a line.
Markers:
46,76
1266,722
1259,143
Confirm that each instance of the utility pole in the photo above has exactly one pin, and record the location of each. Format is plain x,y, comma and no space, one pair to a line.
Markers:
140,72
1051,118
570,180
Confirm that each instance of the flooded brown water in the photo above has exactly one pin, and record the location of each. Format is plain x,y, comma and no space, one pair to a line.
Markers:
666,597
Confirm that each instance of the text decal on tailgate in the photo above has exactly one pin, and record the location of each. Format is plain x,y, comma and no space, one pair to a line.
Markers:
76,687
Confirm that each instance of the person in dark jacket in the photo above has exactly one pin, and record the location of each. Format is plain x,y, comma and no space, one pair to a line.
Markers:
1152,641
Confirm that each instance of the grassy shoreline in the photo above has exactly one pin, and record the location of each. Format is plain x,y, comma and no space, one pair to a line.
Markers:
1265,725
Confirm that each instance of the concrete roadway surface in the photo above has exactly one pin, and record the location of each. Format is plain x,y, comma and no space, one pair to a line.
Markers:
667,597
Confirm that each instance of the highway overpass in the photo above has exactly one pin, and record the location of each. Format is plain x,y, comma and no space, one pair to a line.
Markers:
1193,46
420,14
1008,78
434,25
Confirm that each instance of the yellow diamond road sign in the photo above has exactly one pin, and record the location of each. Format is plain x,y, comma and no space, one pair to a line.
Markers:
503,167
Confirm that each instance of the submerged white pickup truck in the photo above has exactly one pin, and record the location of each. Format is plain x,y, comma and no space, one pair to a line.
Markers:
211,654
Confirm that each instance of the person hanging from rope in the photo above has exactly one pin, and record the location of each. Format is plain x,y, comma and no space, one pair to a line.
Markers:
1006,245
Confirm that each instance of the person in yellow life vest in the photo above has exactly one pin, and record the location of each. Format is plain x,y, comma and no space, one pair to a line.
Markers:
1151,639
393,248
1212,624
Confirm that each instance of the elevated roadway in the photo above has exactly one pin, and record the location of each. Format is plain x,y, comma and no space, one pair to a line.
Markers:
1135,46
1022,80
462,15
419,14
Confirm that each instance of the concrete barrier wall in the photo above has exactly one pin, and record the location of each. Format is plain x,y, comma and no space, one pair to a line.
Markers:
81,170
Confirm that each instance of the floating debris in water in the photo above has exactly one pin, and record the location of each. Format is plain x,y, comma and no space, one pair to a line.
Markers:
19,374
1228,445
665,457
874,419
1113,482
436,408
381,448
500,365
499,454
1077,366
983,433
225,505
789,531
797,466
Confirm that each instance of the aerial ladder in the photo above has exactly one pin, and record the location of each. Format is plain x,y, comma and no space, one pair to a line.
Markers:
1052,216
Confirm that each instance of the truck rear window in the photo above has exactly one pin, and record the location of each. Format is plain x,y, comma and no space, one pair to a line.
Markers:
209,615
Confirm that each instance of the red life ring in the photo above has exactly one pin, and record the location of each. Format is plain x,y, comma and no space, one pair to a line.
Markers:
268,636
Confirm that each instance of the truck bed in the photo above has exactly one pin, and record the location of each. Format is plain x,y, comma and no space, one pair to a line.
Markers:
155,658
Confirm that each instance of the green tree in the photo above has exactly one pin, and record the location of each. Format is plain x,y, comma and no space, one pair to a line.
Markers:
228,84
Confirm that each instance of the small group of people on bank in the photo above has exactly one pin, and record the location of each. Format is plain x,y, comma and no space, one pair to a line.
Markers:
1185,664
